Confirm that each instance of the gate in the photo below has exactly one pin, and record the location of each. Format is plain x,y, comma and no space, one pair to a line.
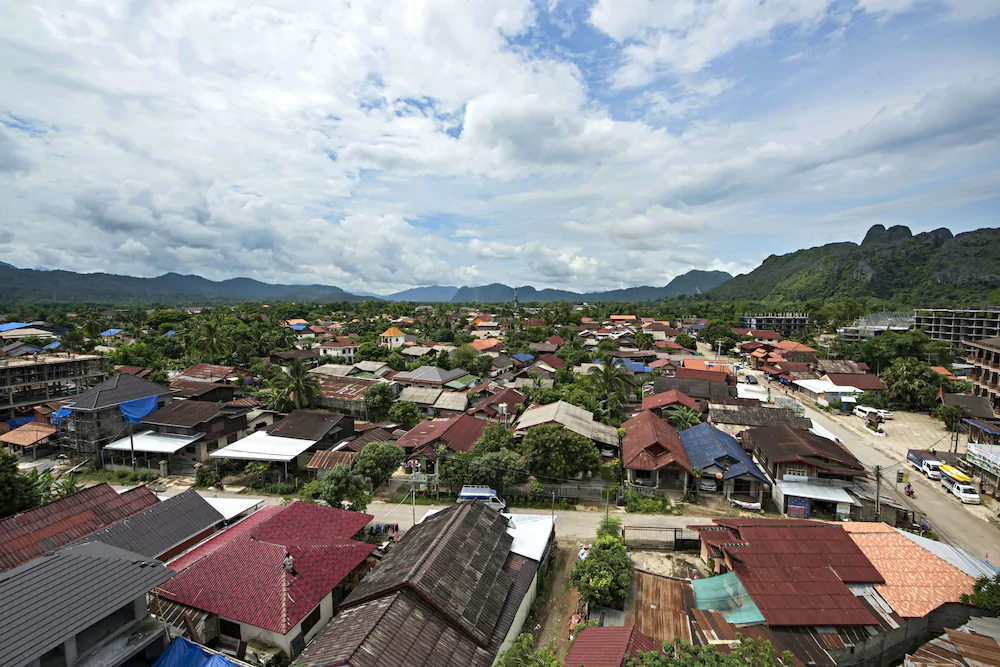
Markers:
661,537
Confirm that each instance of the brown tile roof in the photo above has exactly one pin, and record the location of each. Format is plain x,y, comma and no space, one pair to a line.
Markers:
208,372
344,388
552,360
607,646
459,433
327,459
792,346
916,581
865,381
941,370
186,414
28,434
30,534
665,398
377,434
783,443
185,388
308,425
652,444
695,374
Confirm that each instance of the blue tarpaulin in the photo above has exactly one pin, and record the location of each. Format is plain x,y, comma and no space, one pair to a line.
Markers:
59,415
110,332
297,327
52,346
10,326
170,333
19,421
134,411
523,357
183,653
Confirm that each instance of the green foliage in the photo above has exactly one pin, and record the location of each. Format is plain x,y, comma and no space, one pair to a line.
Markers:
636,503
951,415
609,525
604,577
545,396
17,493
378,460
523,653
683,418
453,468
494,438
298,384
396,361
340,485
644,341
311,491
755,651
556,453
985,594
203,477
378,399
498,470
372,352
686,341
404,413
911,382
257,470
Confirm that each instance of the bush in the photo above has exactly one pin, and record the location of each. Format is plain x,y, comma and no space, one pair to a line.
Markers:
637,503
203,477
311,492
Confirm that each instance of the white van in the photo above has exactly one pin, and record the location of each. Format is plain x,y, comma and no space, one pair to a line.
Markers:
966,493
484,494
863,411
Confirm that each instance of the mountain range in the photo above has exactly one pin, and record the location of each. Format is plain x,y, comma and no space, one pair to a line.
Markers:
928,269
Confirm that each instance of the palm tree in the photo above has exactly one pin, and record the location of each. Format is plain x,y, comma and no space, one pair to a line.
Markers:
211,340
92,324
282,338
609,378
300,385
684,418
905,379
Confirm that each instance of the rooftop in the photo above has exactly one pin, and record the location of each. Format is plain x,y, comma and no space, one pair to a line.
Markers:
574,418
863,381
30,534
652,444
756,416
607,646
186,414
56,596
430,374
115,390
29,434
208,373
459,432
344,388
244,579
672,397
783,443
262,446
307,425
706,445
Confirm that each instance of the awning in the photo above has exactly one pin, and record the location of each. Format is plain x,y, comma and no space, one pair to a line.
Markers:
155,443
232,507
259,446
821,492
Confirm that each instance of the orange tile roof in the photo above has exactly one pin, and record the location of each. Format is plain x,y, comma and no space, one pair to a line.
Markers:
392,331
295,320
916,581
706,365
29,434
482,344
792,346
941,370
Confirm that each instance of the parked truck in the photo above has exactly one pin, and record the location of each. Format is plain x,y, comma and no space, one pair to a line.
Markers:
950,476
924,462
474,492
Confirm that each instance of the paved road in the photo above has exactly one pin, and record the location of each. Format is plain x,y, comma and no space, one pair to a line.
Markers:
957,525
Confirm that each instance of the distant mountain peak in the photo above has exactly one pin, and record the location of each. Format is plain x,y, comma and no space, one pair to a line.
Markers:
879,234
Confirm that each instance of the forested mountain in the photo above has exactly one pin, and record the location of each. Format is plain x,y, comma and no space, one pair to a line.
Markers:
692,282
932,268
172,288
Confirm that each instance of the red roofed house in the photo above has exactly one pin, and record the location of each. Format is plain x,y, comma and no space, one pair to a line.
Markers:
341,348
863,381
797,572
487,344
552,360
653,454
608,646
711,376
674,347
458,434
660,331
274,577
30,534
489,407
661,404
555,340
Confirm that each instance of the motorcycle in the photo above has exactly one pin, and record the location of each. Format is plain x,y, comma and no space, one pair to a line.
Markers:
910,493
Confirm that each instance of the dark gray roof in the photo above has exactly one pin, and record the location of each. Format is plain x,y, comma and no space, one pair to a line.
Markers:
979,406
53,597
159,528
453,559
697,389
117,389
431,374
186,414
307,425
742,415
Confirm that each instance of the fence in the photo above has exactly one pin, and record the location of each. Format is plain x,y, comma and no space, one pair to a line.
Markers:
661,537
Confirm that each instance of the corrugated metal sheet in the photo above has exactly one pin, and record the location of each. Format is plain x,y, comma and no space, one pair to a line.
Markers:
657,607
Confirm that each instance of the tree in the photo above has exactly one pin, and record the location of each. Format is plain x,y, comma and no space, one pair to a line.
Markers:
211,340
498,470
985,594
464,357
396,361
952,415
378,399
341,485
453,468
556,453
604,577
371,352
257,470
522,653
684,418
494,438
378,460
755,651
686,341
405,413
300,385
17,493
644,341
907,380
608,378
609,525
92,324
67,486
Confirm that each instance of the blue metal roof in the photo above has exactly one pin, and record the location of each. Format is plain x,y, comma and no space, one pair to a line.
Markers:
110,332
705,444
52,346
633,366
10,326
523,357
297,327
990,426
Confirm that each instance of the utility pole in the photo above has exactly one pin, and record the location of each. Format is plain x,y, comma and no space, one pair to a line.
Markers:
131,443
553,506
413,506
878,493
719,353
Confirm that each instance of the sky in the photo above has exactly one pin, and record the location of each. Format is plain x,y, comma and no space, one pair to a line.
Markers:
378,145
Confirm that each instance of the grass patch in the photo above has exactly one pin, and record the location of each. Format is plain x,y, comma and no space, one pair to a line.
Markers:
119,477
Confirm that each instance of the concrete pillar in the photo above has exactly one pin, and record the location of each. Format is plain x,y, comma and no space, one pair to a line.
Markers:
139,608
69,650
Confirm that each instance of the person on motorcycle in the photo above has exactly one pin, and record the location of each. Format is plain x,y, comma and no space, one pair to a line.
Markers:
909,489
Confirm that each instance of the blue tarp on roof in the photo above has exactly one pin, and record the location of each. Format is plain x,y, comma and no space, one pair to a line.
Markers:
19,421
170,333
134,411
183,653
297,327
705,444
52,346
10,326
110,332
60,415
633,366
523,357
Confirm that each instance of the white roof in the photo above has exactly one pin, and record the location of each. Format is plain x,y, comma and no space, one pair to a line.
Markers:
370,366
531,533
451,400
420,395
753,391
416,351
830,494
336,370
231,507
259,446
155,443
822,387
573,418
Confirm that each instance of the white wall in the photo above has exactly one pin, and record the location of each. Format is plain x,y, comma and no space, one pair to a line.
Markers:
284,642
521,615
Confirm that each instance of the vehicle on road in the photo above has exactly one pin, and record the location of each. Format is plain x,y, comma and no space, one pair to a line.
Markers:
924,462
884,414
950,476
478,492
751,379
966,493
863,411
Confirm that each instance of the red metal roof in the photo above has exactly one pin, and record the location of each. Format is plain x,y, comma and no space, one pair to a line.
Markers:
607,646
651,444
209,372
221,539
668,398
32,533
552,360
509,396
244,579
459,433
695,374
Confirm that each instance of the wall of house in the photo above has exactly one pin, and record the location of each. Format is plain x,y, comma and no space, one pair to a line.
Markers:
522,613
284,642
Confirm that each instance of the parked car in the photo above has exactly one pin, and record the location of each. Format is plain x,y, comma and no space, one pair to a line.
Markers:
966,493
481,493
608,452
863,411
751,379
707,484
884,414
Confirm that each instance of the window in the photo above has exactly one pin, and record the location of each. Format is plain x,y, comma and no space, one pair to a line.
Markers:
189,449
229,628
231,438
310,621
